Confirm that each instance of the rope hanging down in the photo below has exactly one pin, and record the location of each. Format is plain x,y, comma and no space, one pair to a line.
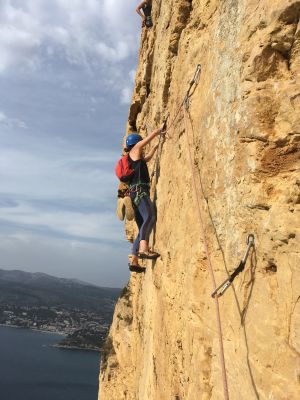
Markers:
187,121
218,291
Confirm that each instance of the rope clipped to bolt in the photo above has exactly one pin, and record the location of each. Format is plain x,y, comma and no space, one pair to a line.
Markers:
218,291
187,122
185,100
167,127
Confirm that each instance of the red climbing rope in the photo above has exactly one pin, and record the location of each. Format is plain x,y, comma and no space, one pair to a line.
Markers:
193,173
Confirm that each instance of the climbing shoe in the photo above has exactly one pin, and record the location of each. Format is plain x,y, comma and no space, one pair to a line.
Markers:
136,268
150,255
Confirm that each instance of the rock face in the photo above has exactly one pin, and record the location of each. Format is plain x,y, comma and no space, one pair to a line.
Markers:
243,126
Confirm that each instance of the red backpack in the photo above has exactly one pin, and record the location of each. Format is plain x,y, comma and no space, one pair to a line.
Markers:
123,169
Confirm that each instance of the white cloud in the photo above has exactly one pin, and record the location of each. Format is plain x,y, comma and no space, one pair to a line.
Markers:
59,188
55,202
7,122
70,259
57,173
118,53
60,59
126,92
88,31
126,95
97,226
132,75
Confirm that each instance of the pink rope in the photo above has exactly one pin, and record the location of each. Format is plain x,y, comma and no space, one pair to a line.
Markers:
184,106
211,270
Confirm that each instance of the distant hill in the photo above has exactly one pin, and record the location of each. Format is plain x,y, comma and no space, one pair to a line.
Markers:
39,289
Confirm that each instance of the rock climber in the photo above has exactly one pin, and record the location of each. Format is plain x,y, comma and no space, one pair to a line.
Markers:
146,7
139,188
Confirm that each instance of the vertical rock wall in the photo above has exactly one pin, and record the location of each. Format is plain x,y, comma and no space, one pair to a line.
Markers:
245,112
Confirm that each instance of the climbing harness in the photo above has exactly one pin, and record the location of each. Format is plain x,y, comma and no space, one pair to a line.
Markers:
219,291
140,190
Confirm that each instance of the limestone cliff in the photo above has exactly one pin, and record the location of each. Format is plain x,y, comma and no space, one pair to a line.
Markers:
245,112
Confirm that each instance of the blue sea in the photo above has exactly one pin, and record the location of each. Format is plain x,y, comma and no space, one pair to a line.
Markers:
30,369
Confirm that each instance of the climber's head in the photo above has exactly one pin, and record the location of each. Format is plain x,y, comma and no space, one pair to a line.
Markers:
131,140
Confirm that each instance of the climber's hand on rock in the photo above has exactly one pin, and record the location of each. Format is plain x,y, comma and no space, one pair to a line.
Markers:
156,132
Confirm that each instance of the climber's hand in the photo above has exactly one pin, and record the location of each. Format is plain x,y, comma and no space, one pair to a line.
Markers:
156,132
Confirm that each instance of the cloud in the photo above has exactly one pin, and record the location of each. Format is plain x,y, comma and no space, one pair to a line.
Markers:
77,181
114,54
7,122
94,35
83,227
132,75
65,67
83,32
126,93
66,258
57,172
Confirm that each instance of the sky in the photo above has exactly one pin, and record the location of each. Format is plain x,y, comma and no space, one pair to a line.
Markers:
66,77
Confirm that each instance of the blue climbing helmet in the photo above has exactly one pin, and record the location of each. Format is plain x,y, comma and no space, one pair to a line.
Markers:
133,139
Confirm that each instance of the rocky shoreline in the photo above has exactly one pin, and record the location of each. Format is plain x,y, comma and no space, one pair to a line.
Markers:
58,345
34,329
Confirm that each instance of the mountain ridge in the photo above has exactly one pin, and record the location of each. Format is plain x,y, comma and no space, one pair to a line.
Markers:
14,274
18,287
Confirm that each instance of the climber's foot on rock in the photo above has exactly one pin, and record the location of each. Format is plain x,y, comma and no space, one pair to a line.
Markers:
150,255
136,268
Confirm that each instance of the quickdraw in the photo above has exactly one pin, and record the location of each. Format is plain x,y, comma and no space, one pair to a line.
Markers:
228,282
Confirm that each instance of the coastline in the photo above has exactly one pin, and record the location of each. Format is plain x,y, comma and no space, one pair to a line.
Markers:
61,346
57,345
34,329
